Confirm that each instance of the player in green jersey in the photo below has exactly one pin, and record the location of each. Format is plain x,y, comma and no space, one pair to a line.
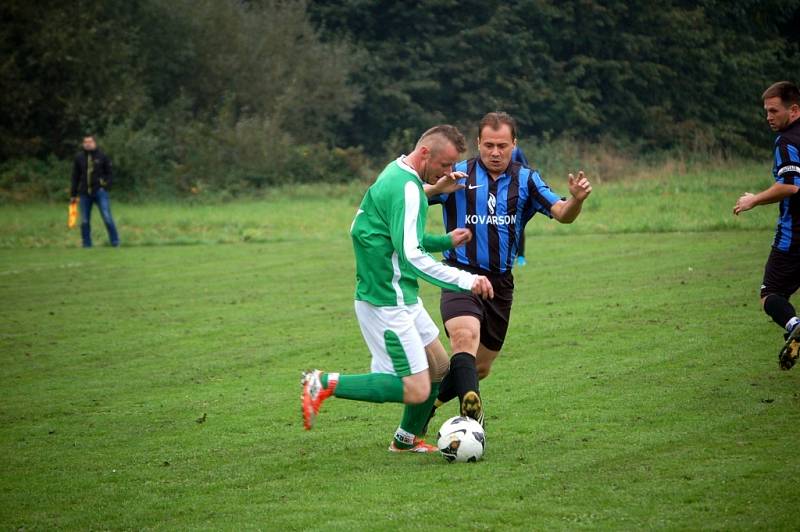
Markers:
392,252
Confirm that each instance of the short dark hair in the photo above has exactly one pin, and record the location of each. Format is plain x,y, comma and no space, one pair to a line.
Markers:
785,90
496,119
449,133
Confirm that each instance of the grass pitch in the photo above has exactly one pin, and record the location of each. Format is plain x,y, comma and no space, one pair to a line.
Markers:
156,386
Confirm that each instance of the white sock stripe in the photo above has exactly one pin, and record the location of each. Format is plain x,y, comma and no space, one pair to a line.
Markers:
403,436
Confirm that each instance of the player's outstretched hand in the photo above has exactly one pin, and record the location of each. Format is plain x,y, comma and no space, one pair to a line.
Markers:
744,203
460,236
482,287
579,187
448,183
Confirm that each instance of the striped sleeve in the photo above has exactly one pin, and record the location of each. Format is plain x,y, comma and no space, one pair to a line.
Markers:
407,243
787,163
543,198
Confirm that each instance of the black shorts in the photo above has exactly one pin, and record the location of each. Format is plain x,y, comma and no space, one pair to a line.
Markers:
494,314
781,274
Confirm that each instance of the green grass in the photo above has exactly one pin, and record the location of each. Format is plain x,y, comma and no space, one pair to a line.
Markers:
638,388
700,200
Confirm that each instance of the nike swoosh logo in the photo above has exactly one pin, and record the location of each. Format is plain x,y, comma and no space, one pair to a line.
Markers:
471,187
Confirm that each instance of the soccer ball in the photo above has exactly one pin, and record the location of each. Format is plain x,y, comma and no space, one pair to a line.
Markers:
461,439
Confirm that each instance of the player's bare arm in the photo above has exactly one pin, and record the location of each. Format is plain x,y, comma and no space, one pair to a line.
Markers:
447,184
566,211
773,194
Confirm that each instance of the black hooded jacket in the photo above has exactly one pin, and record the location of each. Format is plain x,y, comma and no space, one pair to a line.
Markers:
101,173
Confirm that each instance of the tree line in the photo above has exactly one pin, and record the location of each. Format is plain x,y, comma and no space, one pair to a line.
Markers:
204,96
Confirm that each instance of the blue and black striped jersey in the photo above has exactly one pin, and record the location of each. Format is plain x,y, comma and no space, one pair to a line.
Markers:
496,211
786,170
518,156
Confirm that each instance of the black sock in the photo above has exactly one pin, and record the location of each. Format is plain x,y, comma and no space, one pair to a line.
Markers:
447,390
779,309
464,374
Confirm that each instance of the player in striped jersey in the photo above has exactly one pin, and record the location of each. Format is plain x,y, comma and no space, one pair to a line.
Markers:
782,272
494,198
391,250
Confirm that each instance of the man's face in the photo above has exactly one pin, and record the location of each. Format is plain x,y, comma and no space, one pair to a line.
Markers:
495,147
439,163
89,144
779,115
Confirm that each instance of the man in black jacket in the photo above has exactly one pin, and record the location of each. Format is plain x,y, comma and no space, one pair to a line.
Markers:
91,179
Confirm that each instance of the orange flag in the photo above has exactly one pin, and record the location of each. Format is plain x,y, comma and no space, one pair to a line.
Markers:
72,216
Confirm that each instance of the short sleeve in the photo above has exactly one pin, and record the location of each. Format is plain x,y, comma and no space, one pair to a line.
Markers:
542,197
787,163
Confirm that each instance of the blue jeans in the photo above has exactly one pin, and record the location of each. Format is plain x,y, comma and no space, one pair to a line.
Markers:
104,204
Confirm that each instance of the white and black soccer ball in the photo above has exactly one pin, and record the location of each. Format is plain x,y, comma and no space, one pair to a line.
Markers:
461,439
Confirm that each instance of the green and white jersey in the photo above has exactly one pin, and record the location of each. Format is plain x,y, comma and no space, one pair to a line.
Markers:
391,246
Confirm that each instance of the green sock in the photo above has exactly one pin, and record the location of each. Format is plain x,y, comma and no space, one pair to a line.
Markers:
415,417
371,387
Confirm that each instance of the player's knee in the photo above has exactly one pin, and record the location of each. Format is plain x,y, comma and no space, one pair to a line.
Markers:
484,370
417,391
465,339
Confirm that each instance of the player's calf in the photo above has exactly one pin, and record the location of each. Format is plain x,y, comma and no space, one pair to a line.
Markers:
416,388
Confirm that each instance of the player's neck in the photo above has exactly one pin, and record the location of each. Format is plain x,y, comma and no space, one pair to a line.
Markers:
791,124
413,160
495,175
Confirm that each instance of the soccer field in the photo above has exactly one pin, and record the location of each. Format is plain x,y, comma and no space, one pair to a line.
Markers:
157,387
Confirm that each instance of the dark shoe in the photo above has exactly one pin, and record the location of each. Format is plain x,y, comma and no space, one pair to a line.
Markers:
791,349
471,406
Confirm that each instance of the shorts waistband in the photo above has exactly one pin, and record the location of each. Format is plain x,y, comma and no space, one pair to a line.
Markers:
480,271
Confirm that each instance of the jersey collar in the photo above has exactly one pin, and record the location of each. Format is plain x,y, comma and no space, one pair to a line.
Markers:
402,164
486,170
793,125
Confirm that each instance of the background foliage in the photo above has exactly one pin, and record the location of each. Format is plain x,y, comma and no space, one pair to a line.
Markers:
223,97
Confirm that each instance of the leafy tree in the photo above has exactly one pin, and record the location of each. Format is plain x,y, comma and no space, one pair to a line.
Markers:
64,67
660,74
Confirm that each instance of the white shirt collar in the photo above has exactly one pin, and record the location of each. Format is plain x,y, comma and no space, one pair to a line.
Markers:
405,166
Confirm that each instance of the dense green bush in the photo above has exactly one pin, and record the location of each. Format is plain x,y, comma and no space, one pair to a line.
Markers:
35,179
219,161
222,98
